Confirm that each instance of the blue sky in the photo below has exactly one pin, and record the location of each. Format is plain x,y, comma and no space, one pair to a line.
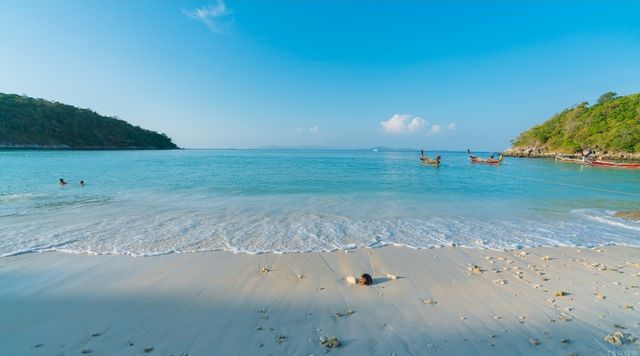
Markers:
431,74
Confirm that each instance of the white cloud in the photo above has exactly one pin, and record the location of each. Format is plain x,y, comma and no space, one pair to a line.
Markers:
402,124
436,128
211,15
314,130
451,126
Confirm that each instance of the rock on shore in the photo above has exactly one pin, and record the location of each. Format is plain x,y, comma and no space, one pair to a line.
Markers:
543,152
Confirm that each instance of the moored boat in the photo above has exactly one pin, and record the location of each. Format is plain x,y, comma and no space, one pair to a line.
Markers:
489,161
610,164
569,159
426,161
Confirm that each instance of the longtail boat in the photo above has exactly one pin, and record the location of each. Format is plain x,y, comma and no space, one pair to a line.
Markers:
489,161
568,159
610,164
426,161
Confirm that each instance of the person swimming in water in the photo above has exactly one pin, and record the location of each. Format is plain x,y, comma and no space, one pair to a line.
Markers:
82,183
62,182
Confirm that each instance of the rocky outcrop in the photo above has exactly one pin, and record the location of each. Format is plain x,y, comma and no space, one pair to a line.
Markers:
542,152
530,152
629,215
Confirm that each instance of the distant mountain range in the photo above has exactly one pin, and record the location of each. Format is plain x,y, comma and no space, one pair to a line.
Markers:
27,122
376,148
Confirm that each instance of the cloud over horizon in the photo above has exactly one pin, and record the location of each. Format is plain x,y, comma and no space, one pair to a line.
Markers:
211,16
407,124
402,124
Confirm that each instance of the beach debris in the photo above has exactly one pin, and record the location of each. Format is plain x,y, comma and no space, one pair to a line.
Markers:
564,318
350,279
392,277
37,346
565,341
95,334
619,338
475,269
619,326
280,339
599,296
339,315
499,281
534,341
559,293
258,327
545,258
86,350
300,276
364,280
429,301
522,254
148,349
264,269
628,307
330,342
130,343
497,317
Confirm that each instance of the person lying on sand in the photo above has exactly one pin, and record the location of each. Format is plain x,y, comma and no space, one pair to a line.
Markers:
364,280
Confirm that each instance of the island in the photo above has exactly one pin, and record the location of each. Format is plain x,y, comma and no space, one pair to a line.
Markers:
610,128
31,123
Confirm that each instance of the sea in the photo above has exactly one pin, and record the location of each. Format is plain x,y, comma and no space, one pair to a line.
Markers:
145,203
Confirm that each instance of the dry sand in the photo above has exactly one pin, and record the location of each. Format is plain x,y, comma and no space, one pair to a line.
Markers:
221,303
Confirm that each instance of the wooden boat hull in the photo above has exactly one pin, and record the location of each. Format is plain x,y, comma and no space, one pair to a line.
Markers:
569,160
490,162
608,164
430,163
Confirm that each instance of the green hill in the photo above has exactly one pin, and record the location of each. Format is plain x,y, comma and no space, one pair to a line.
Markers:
39,123
612,125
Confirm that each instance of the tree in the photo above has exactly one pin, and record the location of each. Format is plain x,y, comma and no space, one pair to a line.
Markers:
607,97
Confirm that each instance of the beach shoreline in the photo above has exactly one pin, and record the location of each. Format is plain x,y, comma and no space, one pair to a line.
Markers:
449,300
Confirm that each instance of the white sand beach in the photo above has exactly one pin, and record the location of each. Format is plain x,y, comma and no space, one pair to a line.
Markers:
221,303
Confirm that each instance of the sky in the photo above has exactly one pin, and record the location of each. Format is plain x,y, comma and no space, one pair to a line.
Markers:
345,74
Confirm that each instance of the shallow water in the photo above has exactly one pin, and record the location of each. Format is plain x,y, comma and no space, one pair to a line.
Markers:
156,202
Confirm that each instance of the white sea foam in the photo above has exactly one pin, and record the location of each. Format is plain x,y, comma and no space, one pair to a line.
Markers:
142,234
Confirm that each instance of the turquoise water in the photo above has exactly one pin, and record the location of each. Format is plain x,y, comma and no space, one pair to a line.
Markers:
156,202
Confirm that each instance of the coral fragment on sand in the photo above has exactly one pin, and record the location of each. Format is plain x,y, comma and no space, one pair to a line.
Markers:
559,293
533,341
619,338
331,342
